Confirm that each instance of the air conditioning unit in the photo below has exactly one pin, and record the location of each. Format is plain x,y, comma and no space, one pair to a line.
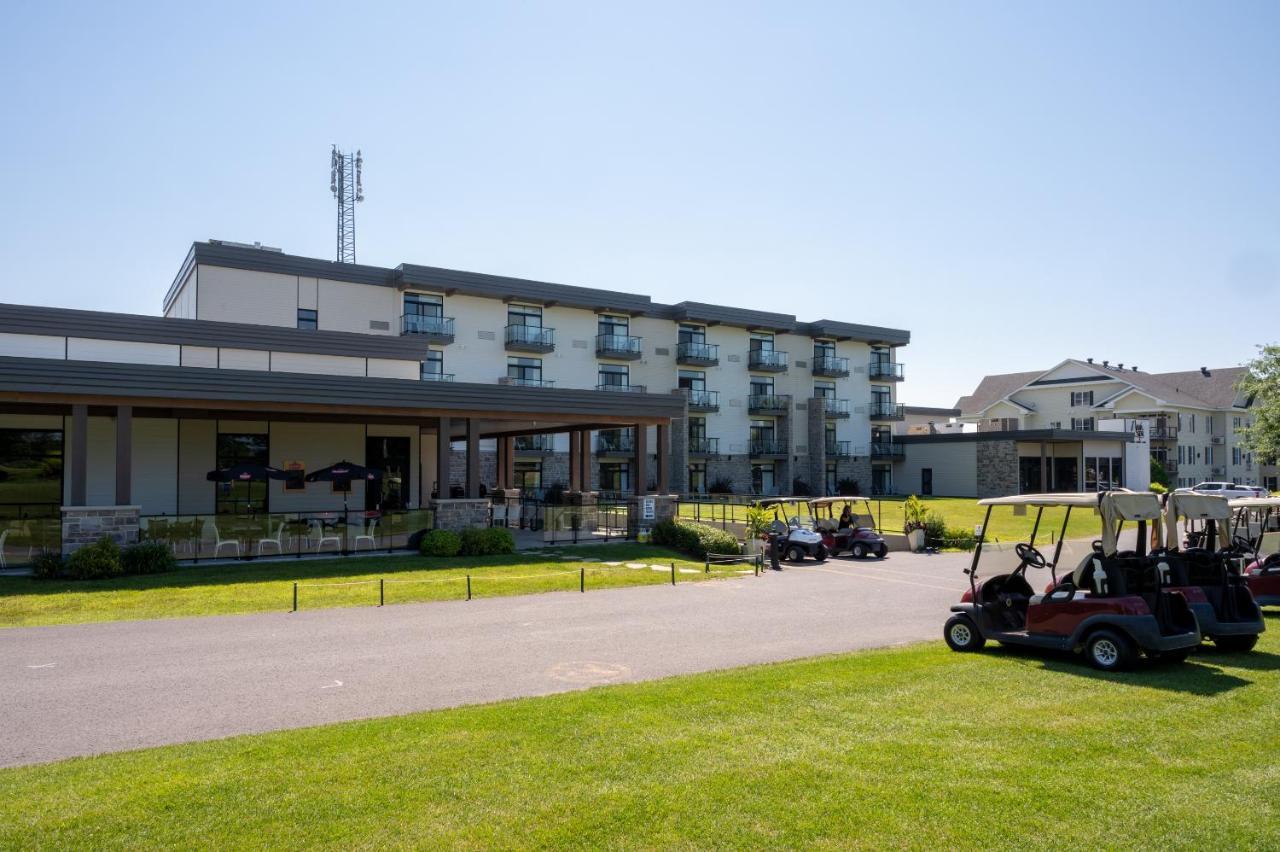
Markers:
1217,440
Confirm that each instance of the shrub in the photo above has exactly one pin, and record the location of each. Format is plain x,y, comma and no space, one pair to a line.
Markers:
1157,488
800,488
440,543
935,530
480,541
1159,474
720,486
47,566
94,561
697,540
847,487
913,514
960,538
149,557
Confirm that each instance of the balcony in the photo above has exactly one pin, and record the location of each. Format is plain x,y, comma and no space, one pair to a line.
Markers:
698,354
617,388
1164,432
886,451
526,383
437,377
885,371
886,411
433,329
830,366
1170,465
836,408
619,346
767,403
704,446
1218,470
703,400
839,449
1217,440
530,338
534,444
768,447
767,361
615,443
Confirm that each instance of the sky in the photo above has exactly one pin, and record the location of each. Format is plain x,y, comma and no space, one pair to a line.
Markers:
1015,183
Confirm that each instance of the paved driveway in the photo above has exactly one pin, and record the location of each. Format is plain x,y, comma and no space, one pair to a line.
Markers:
87,689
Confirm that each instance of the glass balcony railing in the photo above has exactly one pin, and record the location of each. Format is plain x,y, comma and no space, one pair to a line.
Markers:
614,387
886,450
525,382
769,360
429,326
838,449
835,407
768,447
618,346
531,338
699,354
534,444
763,402
437,377
830,365
886,371
700,446
612,442
887,411
703,400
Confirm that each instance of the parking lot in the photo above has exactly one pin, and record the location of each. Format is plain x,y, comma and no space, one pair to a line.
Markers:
86,689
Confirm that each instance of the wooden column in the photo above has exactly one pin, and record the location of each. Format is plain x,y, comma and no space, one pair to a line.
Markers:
443,458
584,456
641,472
79,454
575,461
473,458
506,468
664,458
124,455
511,463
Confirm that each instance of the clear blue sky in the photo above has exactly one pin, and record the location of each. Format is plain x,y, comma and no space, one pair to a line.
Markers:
1014,182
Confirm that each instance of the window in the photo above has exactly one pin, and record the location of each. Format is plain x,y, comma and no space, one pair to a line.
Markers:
1235,455
614,376
433,366
241,498
527,315
613,326
761,341
524,371
762,386
308,318
881,355
762,478
696,334
1103,473
697,430
615,476
823,349
831,479
31,463
528,476
698,478
824,390
694,380
1235,423
423,313
829,435
1055,424
1208,424
1082,424
762,430
1081,398
1193,424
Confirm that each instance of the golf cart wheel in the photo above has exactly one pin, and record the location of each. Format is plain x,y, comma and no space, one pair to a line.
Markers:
1235,644
859,551
1109,651
882,552
821,553
795,553
962,634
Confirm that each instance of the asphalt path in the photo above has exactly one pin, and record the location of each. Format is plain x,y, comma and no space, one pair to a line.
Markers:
88,689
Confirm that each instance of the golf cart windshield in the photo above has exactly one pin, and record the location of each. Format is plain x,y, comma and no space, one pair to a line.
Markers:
1191,506
1261,528
792,510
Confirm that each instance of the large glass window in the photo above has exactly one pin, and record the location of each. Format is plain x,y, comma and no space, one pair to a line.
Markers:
823,349
241,498
614,376
392,456
528,476
761,341
824,390
524,315
762,478
30,492
762,385
613,326
696,334
698,478
524,371
694,380
424,314
433,366
615,476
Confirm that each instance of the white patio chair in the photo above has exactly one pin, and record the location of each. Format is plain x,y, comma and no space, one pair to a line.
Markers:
367,535
276,541
499,518
322,538
220,542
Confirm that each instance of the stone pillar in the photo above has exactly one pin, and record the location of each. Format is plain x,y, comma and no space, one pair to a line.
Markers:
444,458
460,514
664,509
124,455
664,458
79,454
584,458
817,415
473,459
506,470
641,472
680,448
83,525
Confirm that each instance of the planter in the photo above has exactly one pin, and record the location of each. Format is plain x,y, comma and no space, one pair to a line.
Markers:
915,540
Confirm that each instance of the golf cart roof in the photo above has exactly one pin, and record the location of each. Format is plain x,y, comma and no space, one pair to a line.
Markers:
829,501
1086,499
1192,505
1255,503
779,501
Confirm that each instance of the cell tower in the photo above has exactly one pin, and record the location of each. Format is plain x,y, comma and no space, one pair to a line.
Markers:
347,185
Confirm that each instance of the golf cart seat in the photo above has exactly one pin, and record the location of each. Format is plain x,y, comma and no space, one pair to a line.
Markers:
825,525
1102,576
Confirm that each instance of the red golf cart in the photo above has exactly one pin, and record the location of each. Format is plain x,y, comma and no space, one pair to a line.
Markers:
1208,575
1257,522
1111,607
849,535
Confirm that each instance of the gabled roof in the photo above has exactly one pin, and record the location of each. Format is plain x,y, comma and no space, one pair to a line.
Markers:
991,390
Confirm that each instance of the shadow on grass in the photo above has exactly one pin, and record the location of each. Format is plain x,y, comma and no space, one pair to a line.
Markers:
1192,677
1254,661
191,575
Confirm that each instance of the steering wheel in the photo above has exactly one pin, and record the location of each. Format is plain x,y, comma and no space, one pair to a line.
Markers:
1030,556
1241,544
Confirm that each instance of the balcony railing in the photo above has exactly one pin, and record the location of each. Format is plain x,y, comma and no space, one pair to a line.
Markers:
437,377
886,371
618,346
1170,465
615,443
768,447
531,338
830,365
767,360
835,407
437,329
886,411
886,450
703,400
765,403
1217,440
1218,470
534,444
698,354
617,388
1164,432
526,383
838,449
704,446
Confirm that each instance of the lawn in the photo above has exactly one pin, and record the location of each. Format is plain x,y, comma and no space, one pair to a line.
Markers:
911,747
961,512
263,586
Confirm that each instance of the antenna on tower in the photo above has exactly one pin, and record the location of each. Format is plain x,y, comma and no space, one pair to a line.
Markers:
346,182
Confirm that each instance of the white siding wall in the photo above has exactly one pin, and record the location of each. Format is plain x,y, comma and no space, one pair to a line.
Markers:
32,346
243,359
184,301
342,306
315,445
123,351
388,369
955,468
197,455
154,469
236,295
199,356
329,365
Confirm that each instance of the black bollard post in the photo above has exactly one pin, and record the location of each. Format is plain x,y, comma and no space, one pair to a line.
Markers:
295,597
382,591
468,587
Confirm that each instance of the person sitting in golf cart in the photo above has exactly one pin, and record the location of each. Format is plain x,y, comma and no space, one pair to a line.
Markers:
846,519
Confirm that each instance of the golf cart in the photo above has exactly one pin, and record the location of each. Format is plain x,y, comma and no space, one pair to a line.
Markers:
854,538
1111,606
1262,560
793,540
1207,577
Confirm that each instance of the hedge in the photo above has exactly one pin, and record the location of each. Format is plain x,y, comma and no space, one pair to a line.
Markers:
440,543
697,540
104,558
488,541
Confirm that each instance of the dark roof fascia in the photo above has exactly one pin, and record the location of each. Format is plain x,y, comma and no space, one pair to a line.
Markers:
1023,435
101,325
41,376
740,317
451,281
188,263
922,409
854,331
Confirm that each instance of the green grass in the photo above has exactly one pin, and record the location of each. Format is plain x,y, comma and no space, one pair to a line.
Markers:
961,512
915,747
264,586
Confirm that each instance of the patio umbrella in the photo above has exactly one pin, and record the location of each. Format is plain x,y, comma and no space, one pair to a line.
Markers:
245,472
345,472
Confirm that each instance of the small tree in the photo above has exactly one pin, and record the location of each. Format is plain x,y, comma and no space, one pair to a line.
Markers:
1260,385
913,514
1158,474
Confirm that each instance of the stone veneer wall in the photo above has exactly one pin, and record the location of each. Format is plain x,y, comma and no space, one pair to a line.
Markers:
997,468
460,514
83,525
737,472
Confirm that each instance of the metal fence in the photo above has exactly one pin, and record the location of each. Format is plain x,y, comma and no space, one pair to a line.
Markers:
27,530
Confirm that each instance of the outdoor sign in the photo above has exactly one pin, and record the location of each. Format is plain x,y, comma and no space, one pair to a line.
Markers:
295,478
647,511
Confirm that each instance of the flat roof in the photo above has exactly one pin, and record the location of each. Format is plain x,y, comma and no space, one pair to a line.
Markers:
1016,435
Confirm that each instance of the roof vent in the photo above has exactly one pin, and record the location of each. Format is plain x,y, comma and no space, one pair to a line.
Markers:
1106,363
1134,368
1090,360
1204,371
1120,366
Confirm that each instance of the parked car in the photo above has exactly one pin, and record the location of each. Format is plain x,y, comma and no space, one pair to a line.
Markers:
1228,490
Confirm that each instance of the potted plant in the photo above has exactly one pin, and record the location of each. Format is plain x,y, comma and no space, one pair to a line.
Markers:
913,523
757,527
